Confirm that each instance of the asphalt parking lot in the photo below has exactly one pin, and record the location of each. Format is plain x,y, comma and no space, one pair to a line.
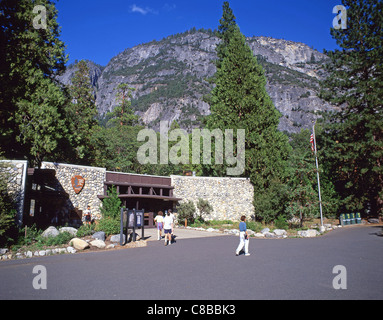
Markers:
206,268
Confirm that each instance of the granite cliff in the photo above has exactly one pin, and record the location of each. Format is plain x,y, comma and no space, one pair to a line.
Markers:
170,77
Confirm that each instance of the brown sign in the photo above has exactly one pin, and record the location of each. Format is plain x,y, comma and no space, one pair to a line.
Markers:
78,183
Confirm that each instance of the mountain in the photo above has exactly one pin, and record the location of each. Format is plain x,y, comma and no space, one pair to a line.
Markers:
171,78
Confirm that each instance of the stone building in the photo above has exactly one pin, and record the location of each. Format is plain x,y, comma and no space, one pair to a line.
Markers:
59,193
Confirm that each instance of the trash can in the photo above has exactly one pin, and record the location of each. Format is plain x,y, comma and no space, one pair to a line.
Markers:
358,218
352,218
342,219
347,219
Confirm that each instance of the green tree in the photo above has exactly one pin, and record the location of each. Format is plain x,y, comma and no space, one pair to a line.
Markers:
117,143
111,205
123,114
353,137
29,61
41,120
240,101
7,210
81,113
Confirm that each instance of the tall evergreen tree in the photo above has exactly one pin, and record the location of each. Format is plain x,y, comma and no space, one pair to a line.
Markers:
353,139
240,101
30,58
81,113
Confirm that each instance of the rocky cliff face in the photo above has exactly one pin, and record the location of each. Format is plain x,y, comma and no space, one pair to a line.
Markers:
170,78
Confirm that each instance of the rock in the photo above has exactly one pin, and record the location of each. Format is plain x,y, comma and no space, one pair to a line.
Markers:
3,251
98,243
50,232
111,246
79,244
29,254
72,231
373,220
269,235
71,250
259,235
265,230
100,235
210,230
308,233
42,253
116,238
280,232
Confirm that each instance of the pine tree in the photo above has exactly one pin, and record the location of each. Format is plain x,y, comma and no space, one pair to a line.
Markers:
240,101
123,114
353,138
81,113
31,103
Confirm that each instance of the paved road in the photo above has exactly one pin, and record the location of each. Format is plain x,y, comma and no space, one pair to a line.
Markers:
207,269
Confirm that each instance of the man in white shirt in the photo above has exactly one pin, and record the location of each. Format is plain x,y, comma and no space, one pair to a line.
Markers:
168,227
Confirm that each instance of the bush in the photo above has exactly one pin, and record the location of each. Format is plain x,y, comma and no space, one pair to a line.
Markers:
186,211
85,230
204,208
280,223
109,226
254,226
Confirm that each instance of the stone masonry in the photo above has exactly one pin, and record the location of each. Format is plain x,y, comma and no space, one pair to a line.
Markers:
15,173
230,197
94,185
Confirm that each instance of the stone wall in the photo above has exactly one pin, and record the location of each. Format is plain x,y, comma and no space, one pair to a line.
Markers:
230,197
94,185
16,172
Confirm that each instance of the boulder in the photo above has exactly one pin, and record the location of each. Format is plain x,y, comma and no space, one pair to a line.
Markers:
270,235
98,244
280,232
266,230
373,220
100,235
311,233
72,231
259,235
79,244
116,238
50,232
71,250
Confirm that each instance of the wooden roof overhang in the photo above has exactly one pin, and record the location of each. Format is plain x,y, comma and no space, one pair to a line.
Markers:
143,191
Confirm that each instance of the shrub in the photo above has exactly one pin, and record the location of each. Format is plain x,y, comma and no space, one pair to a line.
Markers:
109,226
280,223
186,211
85,230
204,208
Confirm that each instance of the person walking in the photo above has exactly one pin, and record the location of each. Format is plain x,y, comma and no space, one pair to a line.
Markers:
168,227
243,237
159,220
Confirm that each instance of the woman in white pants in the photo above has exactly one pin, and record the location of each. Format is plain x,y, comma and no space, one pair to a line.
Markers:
243,237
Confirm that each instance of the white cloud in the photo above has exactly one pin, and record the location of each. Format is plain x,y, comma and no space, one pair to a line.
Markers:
143,11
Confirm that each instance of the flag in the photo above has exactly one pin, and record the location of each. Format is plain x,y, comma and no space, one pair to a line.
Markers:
312,143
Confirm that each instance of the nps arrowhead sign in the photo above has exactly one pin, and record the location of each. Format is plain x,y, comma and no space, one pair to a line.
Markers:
78,183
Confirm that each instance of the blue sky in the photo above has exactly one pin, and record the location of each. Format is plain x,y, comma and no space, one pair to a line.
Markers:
99,30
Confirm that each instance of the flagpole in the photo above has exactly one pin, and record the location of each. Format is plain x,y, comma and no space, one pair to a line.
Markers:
316,160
